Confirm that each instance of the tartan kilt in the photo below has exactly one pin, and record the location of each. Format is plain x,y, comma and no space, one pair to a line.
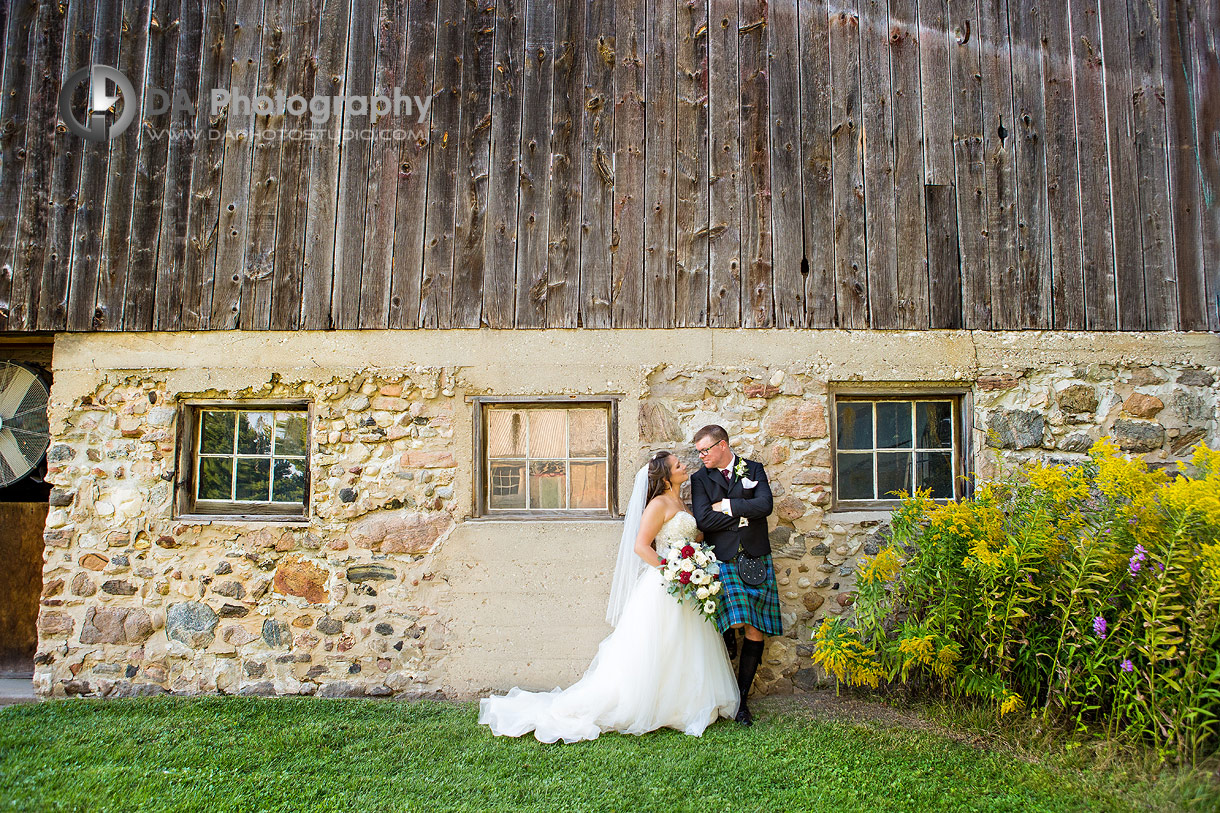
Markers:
742,604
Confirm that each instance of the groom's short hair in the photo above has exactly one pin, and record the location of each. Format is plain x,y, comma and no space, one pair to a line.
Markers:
714,432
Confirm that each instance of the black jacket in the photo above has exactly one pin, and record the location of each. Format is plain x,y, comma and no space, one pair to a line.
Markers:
708,486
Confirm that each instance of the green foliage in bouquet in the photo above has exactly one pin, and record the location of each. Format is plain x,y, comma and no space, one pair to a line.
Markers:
1089,593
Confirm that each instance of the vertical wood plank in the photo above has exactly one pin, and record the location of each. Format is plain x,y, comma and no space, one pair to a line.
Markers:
880,235
846,133
912,245
1007,287
627,263
757,306
969,173
534,215
354,168
413,167
1207,91
504,180
1128,258
597,167
659,66
691,207
180,159
1096,231
436,289
393,21
276,60
1184,179
1062,181
204,211
66,172
724,167
1152,168
787,199
19,36
1029,134
34,210
563,255
330,79
151,166
936,91
944,260
817,187
232,231
292,213
469,261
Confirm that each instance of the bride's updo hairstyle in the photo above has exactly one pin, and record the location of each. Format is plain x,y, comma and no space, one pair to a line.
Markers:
658,475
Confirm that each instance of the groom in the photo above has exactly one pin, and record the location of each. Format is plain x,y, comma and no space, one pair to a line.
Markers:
732,500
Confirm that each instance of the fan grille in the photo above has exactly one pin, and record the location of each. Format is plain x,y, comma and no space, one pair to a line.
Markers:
24,433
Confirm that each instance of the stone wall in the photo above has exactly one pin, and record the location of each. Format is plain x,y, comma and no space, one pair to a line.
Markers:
391,588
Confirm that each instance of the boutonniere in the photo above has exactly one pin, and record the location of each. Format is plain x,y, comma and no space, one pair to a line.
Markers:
740,468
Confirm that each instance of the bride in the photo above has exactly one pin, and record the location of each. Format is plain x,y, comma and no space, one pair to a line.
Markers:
663,665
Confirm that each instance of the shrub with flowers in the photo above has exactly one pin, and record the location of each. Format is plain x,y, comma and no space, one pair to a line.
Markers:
1090,594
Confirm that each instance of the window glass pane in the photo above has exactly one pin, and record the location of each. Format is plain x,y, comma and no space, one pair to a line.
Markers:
934,424
589,485
254,433
934,470
893,474
215,478
855,424
505,433
893,425
548,433
289,483
548,483
216,436
290,433
253,478
587,428
855,476
507,485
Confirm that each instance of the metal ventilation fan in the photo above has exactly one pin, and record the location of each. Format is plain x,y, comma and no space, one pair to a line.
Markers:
24,433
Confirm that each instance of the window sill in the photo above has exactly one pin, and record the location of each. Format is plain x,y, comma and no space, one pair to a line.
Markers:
232,519
857,515
518,518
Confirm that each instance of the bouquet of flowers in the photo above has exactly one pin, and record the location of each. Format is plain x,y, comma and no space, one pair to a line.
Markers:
692,573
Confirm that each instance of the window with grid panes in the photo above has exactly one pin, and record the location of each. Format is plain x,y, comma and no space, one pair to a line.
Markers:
541,458
887,445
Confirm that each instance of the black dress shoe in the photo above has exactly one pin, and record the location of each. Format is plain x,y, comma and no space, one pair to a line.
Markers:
744,716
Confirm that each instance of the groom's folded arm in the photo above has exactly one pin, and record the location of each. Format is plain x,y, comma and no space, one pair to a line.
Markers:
705,517
760,505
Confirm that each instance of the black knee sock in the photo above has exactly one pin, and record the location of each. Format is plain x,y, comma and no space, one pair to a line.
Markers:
751,655
730,642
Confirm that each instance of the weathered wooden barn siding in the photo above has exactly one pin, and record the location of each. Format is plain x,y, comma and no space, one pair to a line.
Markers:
986,164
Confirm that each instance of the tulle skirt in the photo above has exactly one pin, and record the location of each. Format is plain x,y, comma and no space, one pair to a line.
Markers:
662,666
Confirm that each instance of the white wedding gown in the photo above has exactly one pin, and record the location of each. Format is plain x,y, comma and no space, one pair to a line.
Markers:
663,665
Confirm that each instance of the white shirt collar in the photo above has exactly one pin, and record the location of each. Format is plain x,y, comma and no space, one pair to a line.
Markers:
729,468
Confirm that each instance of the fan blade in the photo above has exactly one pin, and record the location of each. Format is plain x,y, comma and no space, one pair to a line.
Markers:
11,454
19,385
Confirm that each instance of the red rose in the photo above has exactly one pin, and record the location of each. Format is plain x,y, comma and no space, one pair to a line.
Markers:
664,561
688,552
684,577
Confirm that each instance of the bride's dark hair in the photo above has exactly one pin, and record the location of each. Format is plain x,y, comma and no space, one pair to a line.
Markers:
658,475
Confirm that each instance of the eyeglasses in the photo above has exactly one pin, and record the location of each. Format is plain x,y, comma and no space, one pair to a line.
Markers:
703,452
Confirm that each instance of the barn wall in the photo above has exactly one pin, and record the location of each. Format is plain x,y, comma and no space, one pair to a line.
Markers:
391,588
859,164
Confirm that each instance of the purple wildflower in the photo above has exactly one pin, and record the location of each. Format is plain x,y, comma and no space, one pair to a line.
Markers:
1127,665
1160,567
1133,564
1099,626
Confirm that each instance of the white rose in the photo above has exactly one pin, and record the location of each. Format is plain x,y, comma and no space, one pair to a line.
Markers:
715,588
709,607
688,565
702,593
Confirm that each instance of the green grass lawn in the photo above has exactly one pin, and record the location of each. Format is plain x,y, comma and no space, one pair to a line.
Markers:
305,754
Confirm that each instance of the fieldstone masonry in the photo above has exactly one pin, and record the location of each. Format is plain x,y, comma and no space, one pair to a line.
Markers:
353,601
